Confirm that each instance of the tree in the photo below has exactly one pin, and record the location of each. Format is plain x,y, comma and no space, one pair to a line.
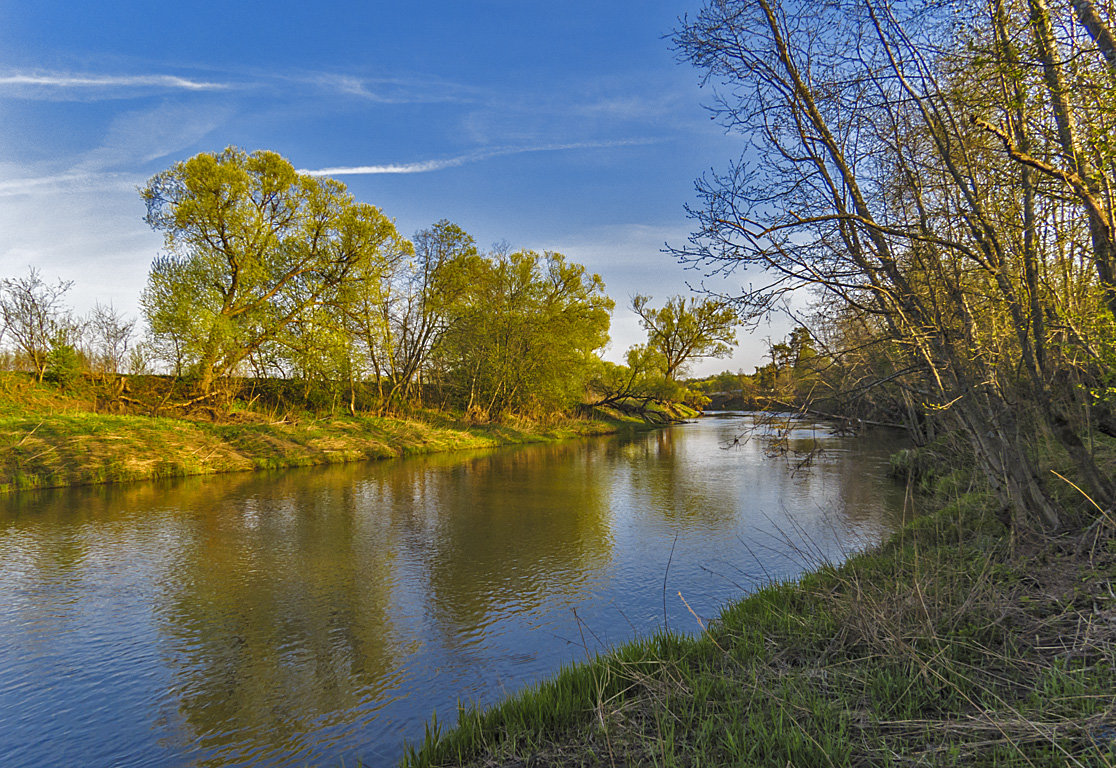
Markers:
522,333
36,318
907,167
420,300
109,335
686,330
639,379
250,246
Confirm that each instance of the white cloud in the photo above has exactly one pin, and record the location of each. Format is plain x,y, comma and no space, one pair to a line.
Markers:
133,139
95,237
33,185
426,166
382,90
69,181
365,170
85,222
583,107
141,136
67,80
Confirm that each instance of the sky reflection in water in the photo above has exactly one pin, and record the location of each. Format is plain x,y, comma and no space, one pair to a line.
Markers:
315,616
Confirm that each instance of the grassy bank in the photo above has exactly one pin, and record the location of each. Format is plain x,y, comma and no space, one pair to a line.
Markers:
953,644
51,437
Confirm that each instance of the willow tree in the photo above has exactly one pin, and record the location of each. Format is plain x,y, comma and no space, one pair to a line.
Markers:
522,332
250,246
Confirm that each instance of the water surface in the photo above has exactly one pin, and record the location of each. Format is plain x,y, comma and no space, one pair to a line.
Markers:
316,616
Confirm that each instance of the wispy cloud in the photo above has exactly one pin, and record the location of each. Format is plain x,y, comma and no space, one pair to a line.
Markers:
426,166
137,137
383,90
57,84
28,186
69,182
61,80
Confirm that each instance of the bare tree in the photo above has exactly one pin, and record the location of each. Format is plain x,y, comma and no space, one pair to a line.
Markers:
109,334
418,305
35,317
874,177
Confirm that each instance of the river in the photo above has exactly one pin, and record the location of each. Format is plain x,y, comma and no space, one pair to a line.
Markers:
319,616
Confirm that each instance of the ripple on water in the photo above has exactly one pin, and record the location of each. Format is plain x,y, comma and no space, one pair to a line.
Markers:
310,617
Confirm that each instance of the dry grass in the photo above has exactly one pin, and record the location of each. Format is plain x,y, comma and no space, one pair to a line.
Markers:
951,645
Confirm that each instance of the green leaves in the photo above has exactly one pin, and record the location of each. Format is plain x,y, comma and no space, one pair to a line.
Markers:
522,332
251,247
683,331
286,273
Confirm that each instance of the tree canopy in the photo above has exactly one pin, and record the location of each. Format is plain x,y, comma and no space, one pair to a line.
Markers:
522,331
283,275
250,247
684,330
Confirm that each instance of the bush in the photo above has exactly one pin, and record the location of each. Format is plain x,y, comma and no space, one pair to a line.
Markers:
63,365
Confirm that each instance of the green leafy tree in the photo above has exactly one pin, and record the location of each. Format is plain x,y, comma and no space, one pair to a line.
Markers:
250,246
686,330
639,379
792,373
63,363
522,334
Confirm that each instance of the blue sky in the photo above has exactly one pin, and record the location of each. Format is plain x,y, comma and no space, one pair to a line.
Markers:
565,126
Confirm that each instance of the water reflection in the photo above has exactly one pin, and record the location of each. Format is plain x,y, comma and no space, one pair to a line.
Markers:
549,507
320,615
279,613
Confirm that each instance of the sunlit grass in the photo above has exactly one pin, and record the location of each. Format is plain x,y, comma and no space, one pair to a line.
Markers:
52,438
950,645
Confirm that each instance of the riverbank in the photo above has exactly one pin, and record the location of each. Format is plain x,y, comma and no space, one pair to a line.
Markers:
952,644
51,437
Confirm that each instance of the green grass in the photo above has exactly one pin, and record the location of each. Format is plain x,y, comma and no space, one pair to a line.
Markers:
950,645
51,438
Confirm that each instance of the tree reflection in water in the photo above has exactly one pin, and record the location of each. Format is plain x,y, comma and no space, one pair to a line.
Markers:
321,615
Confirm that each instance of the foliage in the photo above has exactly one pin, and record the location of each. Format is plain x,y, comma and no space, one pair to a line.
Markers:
685,330
641,380
679,333
283,275
63,363
522,332
35,317
252,247
793,373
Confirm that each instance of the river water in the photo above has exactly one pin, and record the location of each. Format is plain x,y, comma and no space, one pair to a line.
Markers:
319,616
